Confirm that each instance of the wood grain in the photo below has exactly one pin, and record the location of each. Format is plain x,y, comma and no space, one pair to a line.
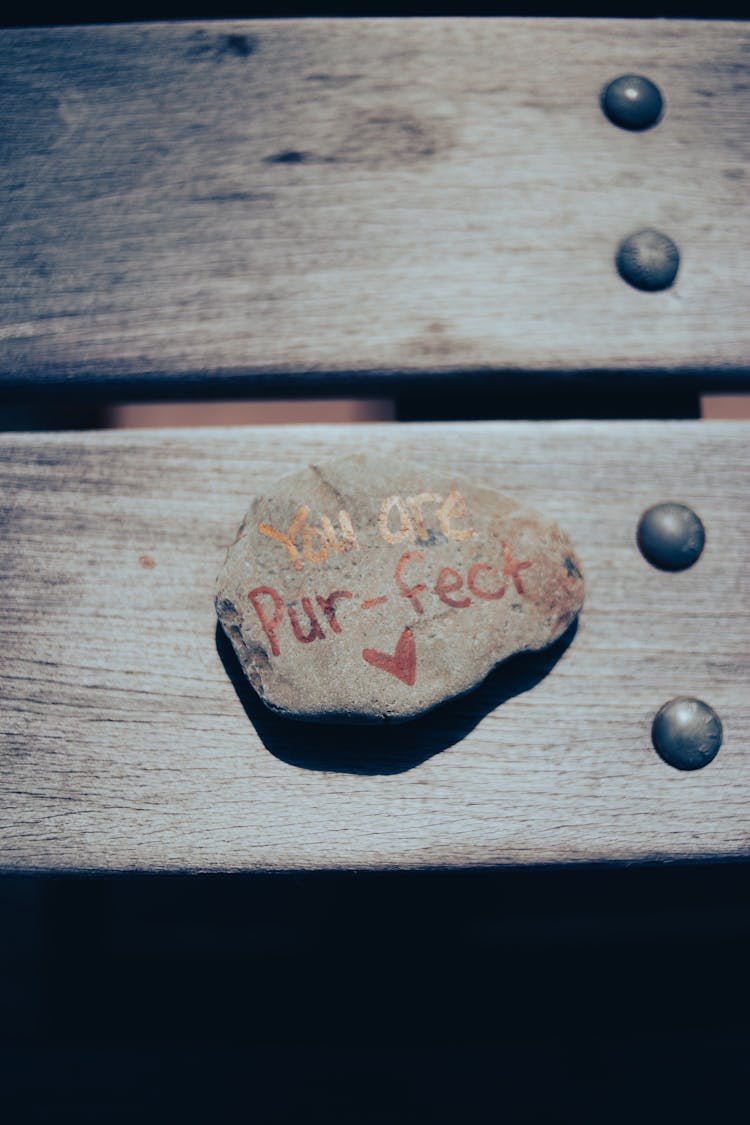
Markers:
127,742
339,201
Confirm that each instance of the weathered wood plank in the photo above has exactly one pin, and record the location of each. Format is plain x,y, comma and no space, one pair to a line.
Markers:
124,742
339,200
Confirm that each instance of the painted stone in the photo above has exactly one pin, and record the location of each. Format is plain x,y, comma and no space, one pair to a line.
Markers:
364,589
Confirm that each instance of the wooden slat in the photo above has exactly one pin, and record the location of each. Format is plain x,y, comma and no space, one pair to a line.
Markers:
125,744
353,199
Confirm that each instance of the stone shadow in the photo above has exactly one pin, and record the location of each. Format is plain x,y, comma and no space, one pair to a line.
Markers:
387,748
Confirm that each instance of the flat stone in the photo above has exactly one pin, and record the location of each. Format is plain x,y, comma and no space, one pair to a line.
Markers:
366,589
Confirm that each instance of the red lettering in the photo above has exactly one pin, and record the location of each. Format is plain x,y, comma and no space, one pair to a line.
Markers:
444,586
512,568
375,601
402,663
488,595
269,627
410,592
328,607
315,629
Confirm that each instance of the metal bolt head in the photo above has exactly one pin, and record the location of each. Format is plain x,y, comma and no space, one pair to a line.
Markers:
687,733
671,536
648,260
632,102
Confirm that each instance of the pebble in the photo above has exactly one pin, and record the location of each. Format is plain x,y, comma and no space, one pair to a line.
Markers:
367,589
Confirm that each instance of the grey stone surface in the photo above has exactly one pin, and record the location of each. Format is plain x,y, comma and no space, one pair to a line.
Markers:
365,589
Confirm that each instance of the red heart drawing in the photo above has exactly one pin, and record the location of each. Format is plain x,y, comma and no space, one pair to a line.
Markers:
403,663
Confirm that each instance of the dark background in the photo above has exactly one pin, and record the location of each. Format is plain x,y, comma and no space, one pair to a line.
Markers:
544,995
605,993
119,11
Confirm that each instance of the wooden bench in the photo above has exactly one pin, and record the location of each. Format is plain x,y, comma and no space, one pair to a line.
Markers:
429,209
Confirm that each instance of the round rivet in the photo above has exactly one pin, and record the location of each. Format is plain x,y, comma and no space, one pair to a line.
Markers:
632,102
648,260
686,733
671,536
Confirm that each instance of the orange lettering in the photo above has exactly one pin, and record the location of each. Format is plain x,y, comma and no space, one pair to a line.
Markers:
406,527
309,535
348,539
287,537
414,504
453,508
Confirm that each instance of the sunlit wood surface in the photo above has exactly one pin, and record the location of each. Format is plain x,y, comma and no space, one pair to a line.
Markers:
128,740
340,201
